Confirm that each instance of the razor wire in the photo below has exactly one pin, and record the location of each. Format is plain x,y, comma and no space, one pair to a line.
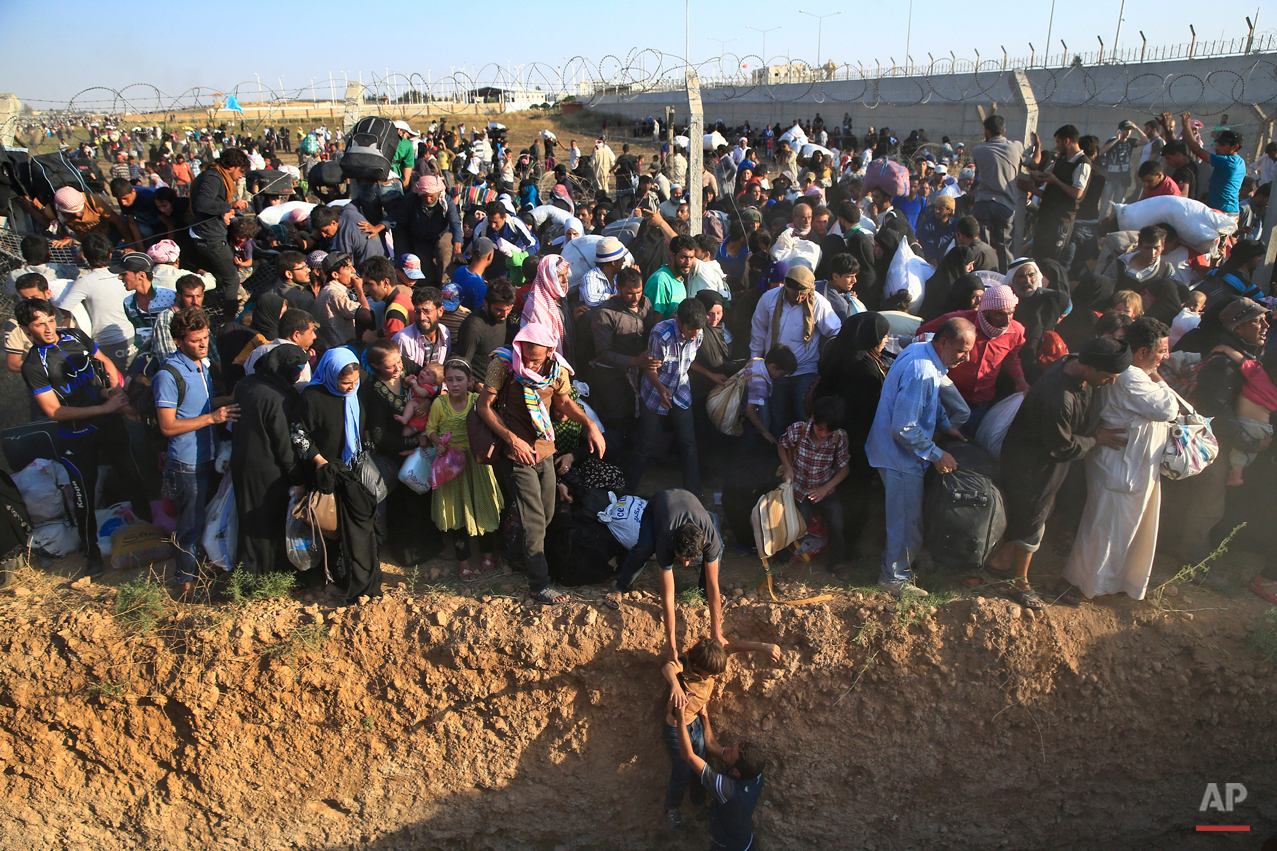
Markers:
648,73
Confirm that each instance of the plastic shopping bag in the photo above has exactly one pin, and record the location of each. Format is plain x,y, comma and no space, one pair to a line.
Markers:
623,517
415,472
305,548
447,464
221,528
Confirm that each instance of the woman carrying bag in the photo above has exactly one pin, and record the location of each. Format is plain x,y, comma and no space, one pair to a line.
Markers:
331,433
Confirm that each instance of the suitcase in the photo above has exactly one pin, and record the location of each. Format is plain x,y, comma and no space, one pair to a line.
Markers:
24,443
370,146
964,516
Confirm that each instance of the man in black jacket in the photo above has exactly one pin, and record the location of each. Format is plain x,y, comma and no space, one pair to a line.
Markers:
428,225
1200,500
213,205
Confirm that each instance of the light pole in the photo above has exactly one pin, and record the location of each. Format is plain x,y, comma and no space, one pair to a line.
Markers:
820,25
1121,12
1050,25
764,33
722,49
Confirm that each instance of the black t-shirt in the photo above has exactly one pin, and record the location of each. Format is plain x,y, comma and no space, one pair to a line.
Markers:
627,164
1187,174
65,368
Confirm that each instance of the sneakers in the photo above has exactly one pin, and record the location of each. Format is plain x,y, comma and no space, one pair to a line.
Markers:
674,819
901,588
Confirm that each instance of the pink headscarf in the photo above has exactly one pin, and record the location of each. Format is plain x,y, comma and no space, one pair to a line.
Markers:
428,184
542,306
541,335
561,191
996,297
164,251
69,200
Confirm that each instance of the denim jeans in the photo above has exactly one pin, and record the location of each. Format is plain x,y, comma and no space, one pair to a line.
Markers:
188,484
786,401
996,224
904,523
680,771
650,422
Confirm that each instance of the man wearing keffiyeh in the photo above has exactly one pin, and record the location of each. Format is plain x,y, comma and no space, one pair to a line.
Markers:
525,386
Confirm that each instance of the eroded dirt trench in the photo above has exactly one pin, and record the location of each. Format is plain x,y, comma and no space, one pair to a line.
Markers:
439,722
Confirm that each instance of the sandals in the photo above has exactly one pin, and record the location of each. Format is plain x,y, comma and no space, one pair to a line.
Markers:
548,596
488,564
1027,598
613,601
467,574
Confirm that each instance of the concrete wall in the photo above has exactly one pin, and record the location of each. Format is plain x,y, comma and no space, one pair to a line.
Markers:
1094,98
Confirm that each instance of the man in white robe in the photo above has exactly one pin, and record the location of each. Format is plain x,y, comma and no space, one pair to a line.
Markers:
1115,544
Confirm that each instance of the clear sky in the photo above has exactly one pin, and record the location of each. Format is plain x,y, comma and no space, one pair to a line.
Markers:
53,51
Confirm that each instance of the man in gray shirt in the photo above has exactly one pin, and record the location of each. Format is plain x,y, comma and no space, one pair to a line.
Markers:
997,165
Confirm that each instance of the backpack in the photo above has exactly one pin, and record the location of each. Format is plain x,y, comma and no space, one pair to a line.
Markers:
309,144
45,174
963,512
141,390
327,173
370,147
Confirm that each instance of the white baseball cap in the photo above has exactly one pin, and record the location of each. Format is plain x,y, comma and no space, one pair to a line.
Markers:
403,125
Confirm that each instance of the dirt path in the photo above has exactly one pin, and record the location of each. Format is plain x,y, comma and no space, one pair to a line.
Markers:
438,721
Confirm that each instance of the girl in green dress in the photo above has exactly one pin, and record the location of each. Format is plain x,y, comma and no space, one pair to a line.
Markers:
469,505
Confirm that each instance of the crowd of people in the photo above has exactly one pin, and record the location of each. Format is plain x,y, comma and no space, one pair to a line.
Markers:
553,327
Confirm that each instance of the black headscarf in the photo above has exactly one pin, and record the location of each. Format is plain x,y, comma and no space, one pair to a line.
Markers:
889,239
952,267
266,312
1209,331
1090,297
859,334
281,366
960,294
713,351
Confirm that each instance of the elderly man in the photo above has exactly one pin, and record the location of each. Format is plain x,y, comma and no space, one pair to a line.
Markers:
799,317
902,443
429,226
1057,423
518,397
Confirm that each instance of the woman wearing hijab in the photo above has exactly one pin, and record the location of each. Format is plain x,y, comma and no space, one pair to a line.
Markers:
1039,309
1091,297
713,365
545,302
964,294
331,434
960,261
267,310
263,462
853,368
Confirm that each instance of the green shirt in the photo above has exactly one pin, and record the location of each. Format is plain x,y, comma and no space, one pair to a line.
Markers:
405,156
665,290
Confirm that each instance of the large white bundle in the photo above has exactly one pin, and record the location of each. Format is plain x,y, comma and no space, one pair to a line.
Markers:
909,272
581,252
713,140
796,252
1196,224
809,149
997,422
795,136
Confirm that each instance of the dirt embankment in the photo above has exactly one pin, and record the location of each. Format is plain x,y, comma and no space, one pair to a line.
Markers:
444,723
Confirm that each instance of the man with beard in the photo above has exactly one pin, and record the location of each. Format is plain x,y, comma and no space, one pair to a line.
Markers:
427,339
489,328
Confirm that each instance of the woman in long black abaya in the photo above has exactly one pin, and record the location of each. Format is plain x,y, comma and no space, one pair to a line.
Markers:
263,461
331,433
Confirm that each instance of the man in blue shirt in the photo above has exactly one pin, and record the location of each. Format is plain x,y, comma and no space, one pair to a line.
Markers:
902,443
137,204
733,792
1228,168
188,418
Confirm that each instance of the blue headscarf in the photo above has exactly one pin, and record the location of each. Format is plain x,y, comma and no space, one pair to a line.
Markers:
326,374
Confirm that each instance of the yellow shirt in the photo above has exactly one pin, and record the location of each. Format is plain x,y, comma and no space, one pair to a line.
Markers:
444,418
